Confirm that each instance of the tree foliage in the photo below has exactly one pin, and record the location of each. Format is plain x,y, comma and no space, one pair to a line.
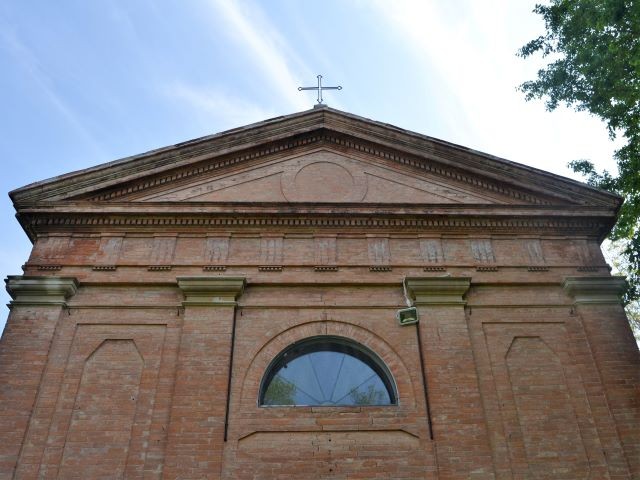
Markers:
280,392
594,48
613,254
370,396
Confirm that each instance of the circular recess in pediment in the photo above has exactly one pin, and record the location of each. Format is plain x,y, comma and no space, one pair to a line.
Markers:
323,177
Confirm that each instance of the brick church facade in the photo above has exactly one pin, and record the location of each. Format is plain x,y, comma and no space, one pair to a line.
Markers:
168,319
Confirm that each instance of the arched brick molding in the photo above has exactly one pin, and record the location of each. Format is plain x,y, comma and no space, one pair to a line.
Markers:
265,354
402,429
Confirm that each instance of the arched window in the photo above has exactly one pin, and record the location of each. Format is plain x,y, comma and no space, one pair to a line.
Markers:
327,371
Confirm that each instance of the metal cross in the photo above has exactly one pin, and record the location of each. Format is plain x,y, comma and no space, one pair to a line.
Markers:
319,88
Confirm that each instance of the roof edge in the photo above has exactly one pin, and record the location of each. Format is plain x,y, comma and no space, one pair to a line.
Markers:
391,136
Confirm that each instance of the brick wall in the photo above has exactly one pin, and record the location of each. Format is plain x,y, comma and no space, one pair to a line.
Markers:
129,375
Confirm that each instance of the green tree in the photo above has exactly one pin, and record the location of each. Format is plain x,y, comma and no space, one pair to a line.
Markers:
613,254
370,396
594,48
280,392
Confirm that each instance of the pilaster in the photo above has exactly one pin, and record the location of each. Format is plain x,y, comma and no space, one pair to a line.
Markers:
597,302
43,291
36,307
594,290
458,422
209,291
196,427
438,290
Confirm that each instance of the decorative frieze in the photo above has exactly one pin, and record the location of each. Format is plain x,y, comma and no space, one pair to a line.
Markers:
586,255
537,268
487,268
380,268
271,250
53,247
270,268
326,250
533,246
49,268
216,250
482,250
159,268
103,268
142,222
431,250
108,251
378,250
588,268
326,268
214,268
434,268
211,253
162,251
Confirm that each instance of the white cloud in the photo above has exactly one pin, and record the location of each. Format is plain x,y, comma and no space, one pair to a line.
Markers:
469,47
217,106
246,23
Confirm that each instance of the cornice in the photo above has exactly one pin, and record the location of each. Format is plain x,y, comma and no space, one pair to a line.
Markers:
212,154
472,162
100,199
340,219
209,290
208,166
27,290
312,208
437,290
424,161
168,158
595,290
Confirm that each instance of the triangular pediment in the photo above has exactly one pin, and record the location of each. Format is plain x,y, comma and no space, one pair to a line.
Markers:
318,156
322,176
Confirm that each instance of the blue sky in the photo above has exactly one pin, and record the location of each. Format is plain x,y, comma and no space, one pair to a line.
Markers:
86,82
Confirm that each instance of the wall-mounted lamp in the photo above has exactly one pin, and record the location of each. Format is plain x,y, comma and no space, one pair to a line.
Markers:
407,316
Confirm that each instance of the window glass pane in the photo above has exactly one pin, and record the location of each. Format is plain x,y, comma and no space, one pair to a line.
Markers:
372,392
327,372
300,374
353,373
325,366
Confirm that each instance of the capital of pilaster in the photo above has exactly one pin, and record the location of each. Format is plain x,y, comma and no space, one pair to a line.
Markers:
40,290
595,289
211,291
437,290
